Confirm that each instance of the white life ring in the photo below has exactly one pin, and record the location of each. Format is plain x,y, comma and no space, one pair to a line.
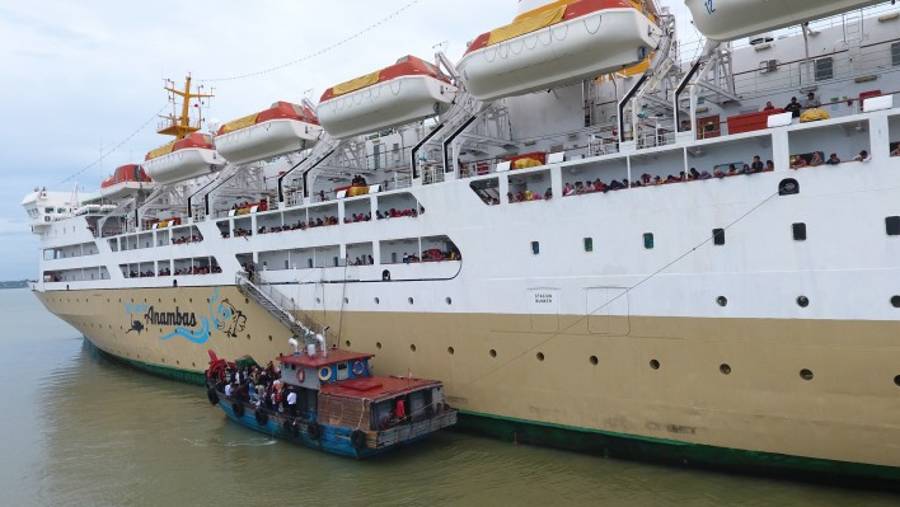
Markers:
358,368
324,373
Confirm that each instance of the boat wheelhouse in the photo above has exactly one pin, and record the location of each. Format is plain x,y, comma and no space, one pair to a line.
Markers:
562,42
329,399
732,19
126,180
410,90
183,159
280,129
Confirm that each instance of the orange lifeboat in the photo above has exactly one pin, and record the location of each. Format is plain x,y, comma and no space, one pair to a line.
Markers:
187,158
409,90
562,42
126,180
283,128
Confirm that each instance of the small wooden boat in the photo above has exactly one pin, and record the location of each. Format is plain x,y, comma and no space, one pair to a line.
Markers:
329,401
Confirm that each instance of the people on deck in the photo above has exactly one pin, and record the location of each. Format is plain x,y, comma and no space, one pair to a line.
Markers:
794,107
833,159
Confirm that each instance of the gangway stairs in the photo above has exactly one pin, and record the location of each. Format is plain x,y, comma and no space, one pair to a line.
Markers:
277,305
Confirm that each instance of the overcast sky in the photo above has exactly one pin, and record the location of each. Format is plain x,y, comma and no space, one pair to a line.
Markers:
78,77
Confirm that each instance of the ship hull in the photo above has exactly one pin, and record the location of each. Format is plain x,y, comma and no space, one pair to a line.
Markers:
760,416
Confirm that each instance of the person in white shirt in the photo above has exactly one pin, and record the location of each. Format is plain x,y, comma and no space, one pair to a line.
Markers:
292,402
228,390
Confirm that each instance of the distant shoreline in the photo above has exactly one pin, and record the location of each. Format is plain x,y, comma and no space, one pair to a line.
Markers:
15,284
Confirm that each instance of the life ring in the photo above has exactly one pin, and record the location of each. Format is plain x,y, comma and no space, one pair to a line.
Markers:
314,430
324,373
358,439
238,409
358,368
301,375
262,418
212,396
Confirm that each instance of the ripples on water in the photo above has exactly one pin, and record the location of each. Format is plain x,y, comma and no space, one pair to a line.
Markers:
80,430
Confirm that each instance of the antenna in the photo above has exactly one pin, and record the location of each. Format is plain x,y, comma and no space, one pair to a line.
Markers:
181,125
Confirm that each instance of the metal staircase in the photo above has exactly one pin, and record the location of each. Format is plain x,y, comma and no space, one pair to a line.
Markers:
276,304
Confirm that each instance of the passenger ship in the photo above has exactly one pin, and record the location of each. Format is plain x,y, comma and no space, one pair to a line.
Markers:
568,226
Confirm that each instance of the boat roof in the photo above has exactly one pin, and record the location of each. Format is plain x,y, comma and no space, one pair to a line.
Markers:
377,388
318,361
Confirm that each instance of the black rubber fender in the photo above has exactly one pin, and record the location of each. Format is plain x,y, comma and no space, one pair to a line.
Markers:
238,409
358,439
212,396
314,430
261,417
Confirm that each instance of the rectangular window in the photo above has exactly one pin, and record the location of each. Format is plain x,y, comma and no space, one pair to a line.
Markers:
588,244
648,240
718,237
799,231
824,69
892,224
895,54
535,247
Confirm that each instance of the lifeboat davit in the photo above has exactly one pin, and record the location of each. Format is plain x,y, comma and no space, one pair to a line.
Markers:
725,20
410,90
281,129
126,180
560,43
187,158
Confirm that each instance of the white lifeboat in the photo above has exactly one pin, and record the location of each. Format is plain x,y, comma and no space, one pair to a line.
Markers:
281,129
725,20
410,90
560,43
126,180
187,158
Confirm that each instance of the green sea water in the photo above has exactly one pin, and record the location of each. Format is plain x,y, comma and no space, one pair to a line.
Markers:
78,429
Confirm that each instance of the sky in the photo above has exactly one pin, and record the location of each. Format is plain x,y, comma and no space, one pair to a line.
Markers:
79,77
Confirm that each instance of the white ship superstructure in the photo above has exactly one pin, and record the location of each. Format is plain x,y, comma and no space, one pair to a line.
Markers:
654,254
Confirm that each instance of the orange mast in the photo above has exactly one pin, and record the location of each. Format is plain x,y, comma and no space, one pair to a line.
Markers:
181,125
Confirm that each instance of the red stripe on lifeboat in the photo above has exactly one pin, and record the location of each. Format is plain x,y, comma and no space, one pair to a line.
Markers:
574,10
407,66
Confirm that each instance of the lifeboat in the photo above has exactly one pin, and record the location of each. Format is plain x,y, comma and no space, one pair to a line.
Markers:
125,180
725,20
410,90
281,129
560,43
187,158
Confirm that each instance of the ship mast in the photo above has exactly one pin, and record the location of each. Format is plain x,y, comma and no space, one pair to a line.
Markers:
181,126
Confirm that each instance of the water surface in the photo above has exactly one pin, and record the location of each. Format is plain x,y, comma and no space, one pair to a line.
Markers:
78,429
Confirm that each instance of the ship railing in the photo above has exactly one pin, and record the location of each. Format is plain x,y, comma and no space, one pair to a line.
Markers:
596,146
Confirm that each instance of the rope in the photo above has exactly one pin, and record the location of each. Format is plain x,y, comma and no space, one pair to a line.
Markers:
113,149
320,52
627,290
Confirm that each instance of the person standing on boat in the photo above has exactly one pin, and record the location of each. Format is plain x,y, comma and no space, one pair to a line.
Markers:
292,402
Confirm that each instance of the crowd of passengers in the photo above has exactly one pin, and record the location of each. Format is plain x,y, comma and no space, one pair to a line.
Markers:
262,205
816,159
260,387
196,270
362,260
432,255
325,221
194,238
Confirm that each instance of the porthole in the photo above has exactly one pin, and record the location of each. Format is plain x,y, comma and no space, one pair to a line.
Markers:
897,380
411,300
722,301
493,353
802,301
539,356
177,362
412,347
194,364
190,300
788,186
248,336
346,301
806,374
448,300
347,343
725,369
318,300
895,301
594,360
654,364
378,345
450,350
270,337
377,301
246,301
